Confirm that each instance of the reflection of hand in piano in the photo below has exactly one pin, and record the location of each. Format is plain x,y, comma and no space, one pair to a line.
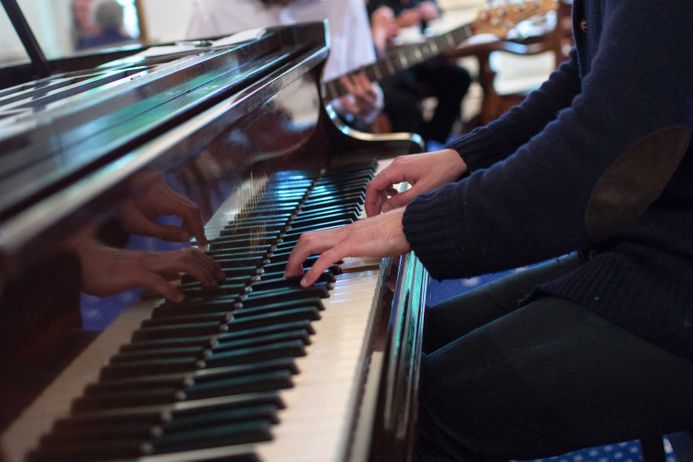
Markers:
149,198
424,172
380,236
362,98
107,270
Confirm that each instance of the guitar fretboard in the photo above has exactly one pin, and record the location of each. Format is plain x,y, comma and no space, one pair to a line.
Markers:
402,58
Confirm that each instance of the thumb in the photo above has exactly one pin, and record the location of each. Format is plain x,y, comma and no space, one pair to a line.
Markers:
399,200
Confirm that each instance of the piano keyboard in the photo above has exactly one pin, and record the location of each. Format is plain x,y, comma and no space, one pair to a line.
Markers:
255,369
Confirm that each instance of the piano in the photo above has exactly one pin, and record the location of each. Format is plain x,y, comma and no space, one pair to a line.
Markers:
257,369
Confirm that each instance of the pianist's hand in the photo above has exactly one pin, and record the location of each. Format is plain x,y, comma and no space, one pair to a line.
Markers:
107,270
380,236
424,172
150,197
362,98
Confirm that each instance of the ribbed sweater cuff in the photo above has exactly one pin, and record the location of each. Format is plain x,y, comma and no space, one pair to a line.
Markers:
479,148
428,239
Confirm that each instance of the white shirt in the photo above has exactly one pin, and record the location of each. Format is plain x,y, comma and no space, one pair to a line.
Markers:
349,31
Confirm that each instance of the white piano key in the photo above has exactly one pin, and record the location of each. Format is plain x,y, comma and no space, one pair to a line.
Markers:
320,408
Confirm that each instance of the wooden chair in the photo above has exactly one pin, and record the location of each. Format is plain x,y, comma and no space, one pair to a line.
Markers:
551,39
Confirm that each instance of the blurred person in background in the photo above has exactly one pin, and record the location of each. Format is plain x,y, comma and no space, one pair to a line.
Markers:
404,92
351,45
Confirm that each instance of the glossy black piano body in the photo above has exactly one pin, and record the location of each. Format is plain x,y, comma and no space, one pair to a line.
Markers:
209,121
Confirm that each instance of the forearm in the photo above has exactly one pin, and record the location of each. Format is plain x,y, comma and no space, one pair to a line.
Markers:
587,176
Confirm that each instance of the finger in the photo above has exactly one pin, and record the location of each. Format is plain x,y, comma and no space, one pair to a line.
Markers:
211,265
382,181
182,261
176,204
327,259
399,200
309,244
159,285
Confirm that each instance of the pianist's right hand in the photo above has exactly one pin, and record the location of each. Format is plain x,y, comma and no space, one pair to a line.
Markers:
107,270
424,172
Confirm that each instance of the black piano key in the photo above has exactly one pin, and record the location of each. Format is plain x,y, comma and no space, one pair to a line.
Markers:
262,297
244,279
238,334
337,209
325,205
220,290
295,302
290,349
326,276
177,330
239,253
237,242
151,367
281,265
213,316
268,381
275,317
281,282
211,374
350,196
231,263
221,417
229,273
258,237
116,399
283,256
324,217
167,343
162,353
269,339
192,306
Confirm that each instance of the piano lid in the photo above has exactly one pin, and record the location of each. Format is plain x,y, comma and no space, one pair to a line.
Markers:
68,140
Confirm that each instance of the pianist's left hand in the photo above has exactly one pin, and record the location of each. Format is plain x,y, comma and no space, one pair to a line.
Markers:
107,270
150,197
378,236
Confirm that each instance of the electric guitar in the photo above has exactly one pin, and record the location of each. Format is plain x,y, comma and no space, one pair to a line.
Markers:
497,21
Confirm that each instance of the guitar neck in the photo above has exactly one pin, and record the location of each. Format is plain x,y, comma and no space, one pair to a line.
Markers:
402,58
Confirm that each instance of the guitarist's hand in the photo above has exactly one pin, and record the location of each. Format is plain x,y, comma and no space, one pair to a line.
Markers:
424,172
362,98
428,11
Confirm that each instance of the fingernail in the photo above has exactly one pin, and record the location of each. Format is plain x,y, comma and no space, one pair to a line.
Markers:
386,207
304,282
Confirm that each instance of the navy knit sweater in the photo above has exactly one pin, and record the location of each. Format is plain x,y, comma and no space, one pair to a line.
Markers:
598,158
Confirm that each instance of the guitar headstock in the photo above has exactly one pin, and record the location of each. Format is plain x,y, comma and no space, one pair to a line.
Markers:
499,20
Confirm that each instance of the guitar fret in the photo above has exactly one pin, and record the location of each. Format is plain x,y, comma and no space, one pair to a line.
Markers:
392,69
406,57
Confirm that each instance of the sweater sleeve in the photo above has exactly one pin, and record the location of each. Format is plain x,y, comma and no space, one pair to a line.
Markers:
488,144
532,205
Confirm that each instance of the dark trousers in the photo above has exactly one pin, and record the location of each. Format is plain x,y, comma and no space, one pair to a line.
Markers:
506,380
448,83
